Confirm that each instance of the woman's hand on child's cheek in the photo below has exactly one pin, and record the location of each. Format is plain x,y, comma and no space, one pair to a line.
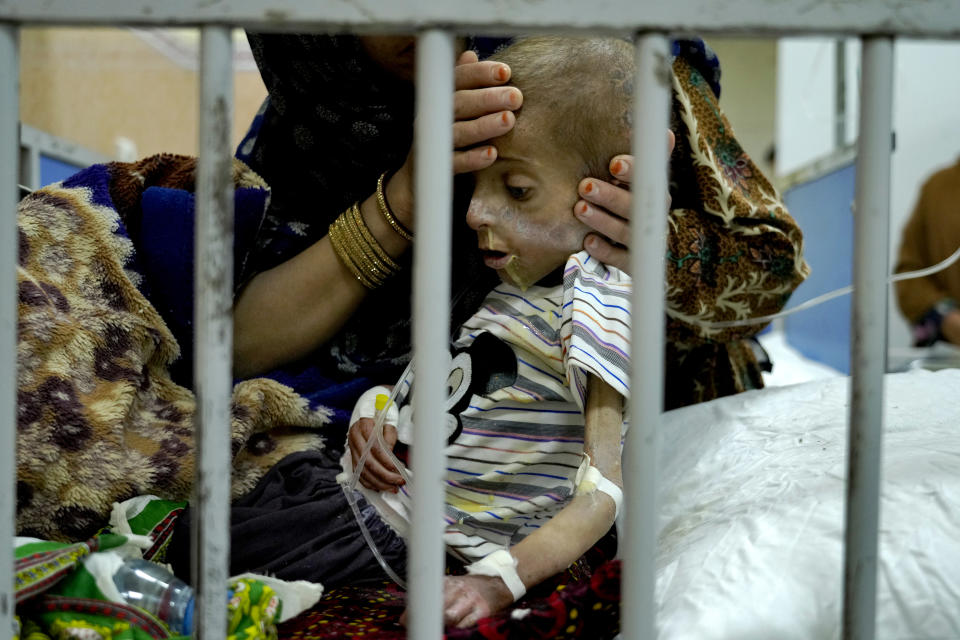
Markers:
482,110
605,207
379,473
467,599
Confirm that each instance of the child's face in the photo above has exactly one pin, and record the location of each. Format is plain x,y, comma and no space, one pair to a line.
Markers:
522,208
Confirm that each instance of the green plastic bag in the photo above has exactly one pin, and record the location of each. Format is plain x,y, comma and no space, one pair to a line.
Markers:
60,595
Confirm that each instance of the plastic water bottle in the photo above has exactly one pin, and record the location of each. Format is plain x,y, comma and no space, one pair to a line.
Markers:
149,586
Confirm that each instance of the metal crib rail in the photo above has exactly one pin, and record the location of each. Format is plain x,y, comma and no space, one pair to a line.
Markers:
930,18
9,163
436,21
213,322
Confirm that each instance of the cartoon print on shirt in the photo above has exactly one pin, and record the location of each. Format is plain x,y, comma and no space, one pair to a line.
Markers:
487,365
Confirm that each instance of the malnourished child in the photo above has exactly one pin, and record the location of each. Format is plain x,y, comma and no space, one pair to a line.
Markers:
538,374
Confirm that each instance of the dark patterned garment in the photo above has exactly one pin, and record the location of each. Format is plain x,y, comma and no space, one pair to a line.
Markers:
333,123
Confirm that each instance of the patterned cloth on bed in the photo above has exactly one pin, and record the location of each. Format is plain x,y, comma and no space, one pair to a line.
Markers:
99,418
583,601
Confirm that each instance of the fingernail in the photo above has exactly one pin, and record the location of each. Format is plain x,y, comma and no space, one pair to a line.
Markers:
502,73
488,152
591,243
511,98
505,117
582,209
588,188
619,168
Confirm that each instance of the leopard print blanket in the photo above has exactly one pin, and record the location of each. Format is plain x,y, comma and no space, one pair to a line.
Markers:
99,418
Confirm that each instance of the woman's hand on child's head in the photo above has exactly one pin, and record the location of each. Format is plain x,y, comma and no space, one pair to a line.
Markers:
468,599
482,110
379,473
605,207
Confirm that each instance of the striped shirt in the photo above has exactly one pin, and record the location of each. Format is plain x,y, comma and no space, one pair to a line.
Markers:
517,393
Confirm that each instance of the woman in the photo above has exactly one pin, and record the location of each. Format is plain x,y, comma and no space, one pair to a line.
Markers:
340,115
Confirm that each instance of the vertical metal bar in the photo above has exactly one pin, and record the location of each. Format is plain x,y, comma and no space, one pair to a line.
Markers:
9,195
433,196
869,330
648,247
213,296
840,100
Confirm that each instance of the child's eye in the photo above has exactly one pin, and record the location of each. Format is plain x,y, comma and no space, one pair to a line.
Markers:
518,193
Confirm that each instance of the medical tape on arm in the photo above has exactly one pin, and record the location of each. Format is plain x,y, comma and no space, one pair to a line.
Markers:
372,401
500,564
592,480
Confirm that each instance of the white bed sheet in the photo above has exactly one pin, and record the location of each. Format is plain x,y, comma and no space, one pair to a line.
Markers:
752,504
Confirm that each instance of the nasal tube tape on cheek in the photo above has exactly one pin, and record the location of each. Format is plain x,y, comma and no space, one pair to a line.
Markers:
590,480
500,564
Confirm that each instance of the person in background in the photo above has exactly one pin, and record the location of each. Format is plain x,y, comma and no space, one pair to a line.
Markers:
932,304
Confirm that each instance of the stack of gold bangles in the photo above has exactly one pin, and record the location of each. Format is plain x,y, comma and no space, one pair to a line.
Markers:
357,247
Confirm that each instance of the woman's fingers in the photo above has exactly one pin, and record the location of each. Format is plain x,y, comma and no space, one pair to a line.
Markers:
467,133
605,208
473,103
482,111
470,74
599,200
621,167
467,57
474,159
613,255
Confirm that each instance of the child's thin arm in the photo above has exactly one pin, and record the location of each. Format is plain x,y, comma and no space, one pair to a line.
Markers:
579,525
569,534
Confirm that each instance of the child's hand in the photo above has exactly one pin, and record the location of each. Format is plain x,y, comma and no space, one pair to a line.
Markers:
605,206
379,473
467,599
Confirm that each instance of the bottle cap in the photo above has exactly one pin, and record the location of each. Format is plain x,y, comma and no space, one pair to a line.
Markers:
188,618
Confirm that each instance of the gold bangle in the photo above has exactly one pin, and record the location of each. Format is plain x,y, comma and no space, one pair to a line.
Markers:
388,215
358,249
337,241
361,253
371,241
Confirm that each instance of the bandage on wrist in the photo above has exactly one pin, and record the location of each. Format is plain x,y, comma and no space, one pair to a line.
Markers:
500,564
592,480
374,400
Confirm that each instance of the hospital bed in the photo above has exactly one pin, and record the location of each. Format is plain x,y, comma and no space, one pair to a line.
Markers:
877,21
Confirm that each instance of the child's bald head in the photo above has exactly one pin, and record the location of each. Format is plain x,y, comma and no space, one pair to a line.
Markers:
577,94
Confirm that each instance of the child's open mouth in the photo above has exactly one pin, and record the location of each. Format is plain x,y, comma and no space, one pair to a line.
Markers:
495,259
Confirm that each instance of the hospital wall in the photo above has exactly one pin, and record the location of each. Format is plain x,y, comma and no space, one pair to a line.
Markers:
926,125
107,88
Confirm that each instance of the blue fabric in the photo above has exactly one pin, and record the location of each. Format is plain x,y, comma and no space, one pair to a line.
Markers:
164,257
166,251
97,179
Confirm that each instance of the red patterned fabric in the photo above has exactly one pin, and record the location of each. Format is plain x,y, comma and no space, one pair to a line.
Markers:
572,605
